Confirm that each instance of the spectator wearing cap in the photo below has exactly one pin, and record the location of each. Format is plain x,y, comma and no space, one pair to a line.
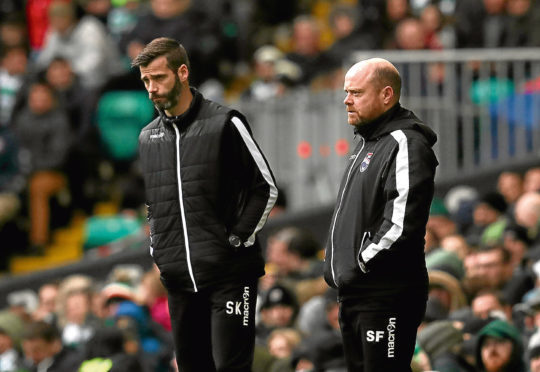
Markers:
443,343
445,295
312,317
488,220
499,348
439,220
279,309
12,324
113,294
460,201
22,303
446,261
269,81
530,308
148,338
517,241
323,348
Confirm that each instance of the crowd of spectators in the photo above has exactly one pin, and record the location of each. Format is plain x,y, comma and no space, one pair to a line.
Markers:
483,309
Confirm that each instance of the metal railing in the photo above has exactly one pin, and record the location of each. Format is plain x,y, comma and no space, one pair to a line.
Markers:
483,104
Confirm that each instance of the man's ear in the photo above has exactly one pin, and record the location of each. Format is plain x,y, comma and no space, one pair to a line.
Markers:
388,94
183,73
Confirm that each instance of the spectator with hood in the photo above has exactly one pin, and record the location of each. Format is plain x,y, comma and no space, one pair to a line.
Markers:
499,348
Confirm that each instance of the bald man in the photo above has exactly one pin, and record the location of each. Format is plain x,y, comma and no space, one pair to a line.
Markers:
375,250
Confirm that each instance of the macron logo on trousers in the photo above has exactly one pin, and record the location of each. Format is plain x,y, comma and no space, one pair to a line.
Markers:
378,335
240,307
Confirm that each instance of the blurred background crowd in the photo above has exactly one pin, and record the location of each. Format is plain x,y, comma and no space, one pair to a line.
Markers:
69,184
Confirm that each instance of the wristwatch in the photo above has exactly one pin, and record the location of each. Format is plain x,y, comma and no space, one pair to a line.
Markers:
235,241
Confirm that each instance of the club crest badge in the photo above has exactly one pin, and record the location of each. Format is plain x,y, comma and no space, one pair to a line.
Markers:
366,161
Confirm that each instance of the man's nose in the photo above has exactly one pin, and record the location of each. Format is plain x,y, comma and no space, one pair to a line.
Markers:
347,100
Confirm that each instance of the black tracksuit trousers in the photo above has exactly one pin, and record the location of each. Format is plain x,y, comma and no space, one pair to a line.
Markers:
214,329
379,332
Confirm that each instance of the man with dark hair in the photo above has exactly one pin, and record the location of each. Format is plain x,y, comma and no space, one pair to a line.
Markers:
209,190
42,346
375,252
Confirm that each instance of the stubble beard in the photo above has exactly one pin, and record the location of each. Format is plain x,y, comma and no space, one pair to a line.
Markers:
172,97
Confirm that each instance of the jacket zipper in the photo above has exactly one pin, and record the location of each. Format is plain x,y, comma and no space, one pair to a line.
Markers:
182,211
339,208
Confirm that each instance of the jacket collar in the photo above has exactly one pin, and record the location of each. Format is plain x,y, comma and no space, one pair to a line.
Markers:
189,115
396,118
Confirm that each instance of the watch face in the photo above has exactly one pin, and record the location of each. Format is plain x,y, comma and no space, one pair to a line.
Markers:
235,241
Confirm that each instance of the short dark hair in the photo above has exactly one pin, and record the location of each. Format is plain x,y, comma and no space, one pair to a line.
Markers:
174,51
384,76
41,330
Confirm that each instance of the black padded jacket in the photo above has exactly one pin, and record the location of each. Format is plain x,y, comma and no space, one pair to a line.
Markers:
205,179
376,238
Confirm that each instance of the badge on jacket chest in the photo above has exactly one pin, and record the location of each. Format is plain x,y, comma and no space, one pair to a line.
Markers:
365,162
